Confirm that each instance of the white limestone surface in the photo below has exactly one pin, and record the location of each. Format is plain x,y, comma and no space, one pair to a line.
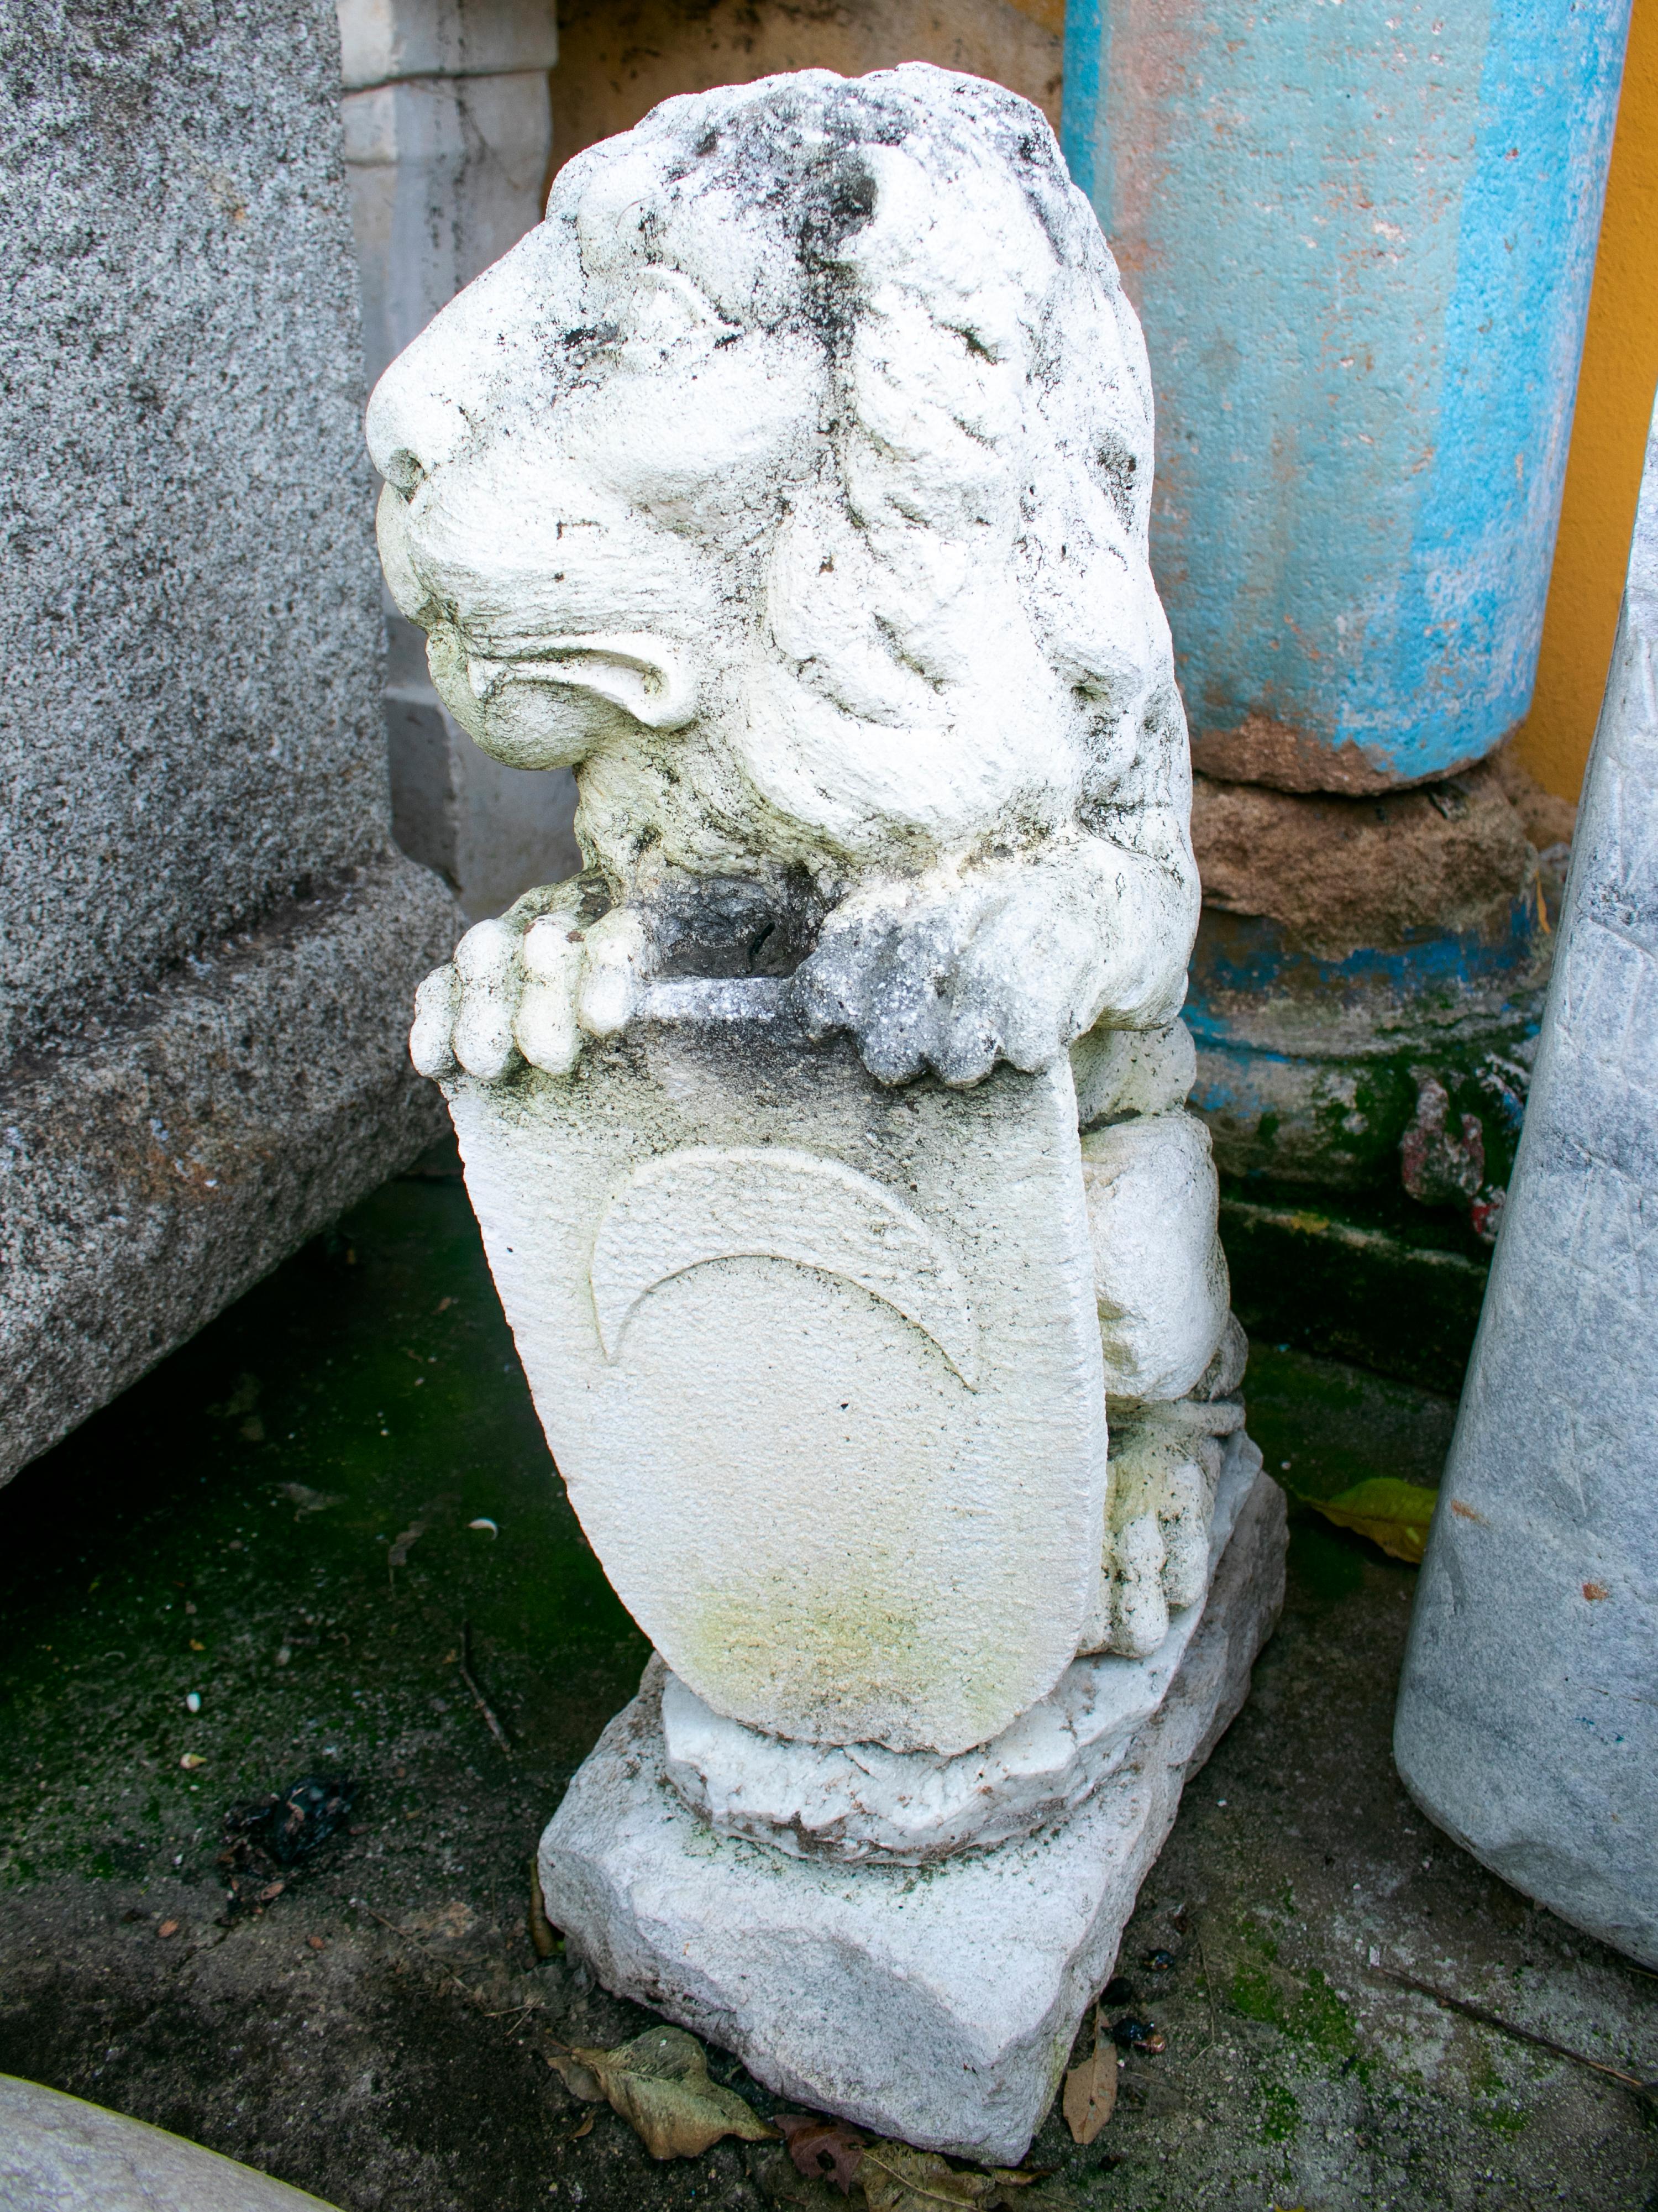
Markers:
1160,1274
860,1802
1528,1725
790,482
937,2003
59,2155
817,1358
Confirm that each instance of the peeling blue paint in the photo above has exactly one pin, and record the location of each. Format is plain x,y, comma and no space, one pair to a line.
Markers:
1307,1068
1360,237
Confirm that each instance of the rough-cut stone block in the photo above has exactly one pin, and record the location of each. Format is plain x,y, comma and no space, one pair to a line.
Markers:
157,1168
209,941
936,2004
446,175
448,137
1526,1724
383,40
58,2155
189,726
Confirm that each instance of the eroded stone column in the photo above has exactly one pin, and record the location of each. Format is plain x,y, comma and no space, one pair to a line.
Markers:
1525,1722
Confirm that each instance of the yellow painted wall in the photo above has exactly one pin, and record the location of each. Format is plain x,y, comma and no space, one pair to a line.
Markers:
1608,438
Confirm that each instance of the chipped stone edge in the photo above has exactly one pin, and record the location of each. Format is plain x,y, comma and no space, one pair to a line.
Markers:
960,2055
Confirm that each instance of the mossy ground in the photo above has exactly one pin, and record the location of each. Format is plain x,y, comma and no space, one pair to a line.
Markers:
160,1551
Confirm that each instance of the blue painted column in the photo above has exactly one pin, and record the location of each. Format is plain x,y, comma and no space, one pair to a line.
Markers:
1360,235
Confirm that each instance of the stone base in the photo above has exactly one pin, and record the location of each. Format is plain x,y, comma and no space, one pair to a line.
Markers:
157,1168
935,2004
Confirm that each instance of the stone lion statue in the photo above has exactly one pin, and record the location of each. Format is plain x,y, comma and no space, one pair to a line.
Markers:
790,482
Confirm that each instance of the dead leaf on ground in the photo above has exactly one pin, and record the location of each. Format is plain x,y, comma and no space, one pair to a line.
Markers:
242,1400
896,2179
660,2084
1391,1513
785,2188
1090,2090
544,1938
1055,2194
822,2149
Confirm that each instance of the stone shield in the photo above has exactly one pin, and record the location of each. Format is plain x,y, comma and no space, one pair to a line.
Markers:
818,1360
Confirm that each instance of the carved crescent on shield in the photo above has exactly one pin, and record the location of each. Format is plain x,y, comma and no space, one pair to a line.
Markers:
767,1202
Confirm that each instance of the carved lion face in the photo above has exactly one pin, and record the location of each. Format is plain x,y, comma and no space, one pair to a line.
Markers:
790,482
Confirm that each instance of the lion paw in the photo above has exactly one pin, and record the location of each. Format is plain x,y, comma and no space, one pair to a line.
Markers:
527,989
1162,1502
954,975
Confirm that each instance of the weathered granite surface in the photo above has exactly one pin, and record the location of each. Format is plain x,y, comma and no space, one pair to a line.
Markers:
190,737
154,1168
1527,1724
936,2004
58,2155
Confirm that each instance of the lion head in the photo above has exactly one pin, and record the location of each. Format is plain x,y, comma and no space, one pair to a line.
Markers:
790,482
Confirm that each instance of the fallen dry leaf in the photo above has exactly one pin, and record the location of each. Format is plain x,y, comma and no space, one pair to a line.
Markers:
543,1937
1391,1513
823,2150
1090,2090
785,2188
167,1928
450,1921
896,2179
1054,2194
576,2078
660,2084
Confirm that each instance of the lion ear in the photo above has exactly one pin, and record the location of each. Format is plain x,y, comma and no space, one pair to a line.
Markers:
645,675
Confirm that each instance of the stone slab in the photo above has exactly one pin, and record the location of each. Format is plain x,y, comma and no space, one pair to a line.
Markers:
190,723
1527,1725
448,135
381,40
158,1166
935,2004
59,2155
210,942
